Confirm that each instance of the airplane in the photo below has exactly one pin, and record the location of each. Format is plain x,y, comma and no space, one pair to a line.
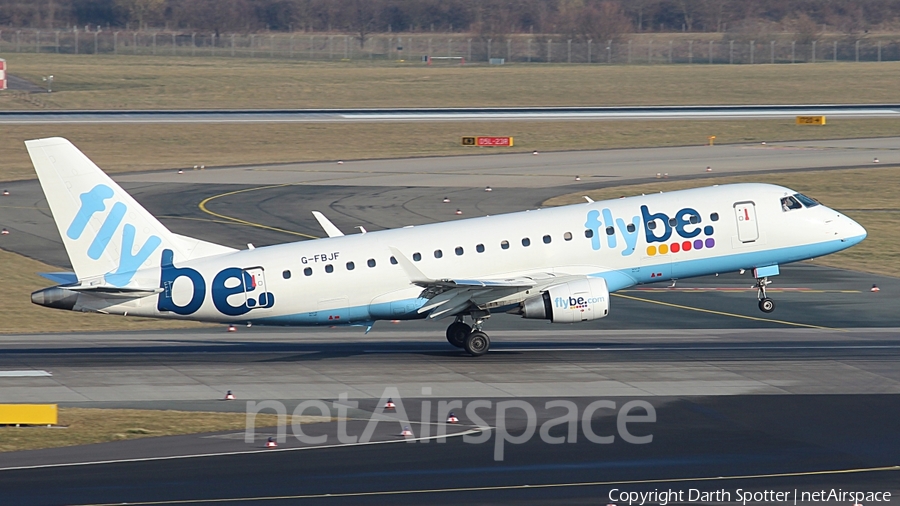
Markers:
558,264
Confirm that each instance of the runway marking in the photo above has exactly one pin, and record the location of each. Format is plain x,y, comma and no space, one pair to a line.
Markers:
722,313
709,348
832,472
475,430
205,201
662,348
24,374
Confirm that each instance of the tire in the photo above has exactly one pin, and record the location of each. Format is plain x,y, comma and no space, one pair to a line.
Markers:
767,305
457,333
477,343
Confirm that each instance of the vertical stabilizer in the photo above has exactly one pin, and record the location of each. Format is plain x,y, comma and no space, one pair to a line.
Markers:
107,234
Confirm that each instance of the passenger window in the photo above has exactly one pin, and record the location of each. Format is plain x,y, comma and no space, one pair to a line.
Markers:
286,274
307,271
370,262
438,253
459,251
350,266
417,256
547,239
610,231
672,222
504,244
789,204
329,268
479,248
526,242
651,224
567,236
630,227
807,201
714,217
589,233
393,261
695,219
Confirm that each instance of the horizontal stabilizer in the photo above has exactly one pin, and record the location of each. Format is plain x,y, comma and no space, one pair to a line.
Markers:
62,278
115,291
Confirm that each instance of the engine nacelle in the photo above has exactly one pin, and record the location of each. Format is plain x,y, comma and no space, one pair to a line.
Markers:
575,301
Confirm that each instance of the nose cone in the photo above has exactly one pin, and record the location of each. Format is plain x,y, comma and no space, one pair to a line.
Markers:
853,232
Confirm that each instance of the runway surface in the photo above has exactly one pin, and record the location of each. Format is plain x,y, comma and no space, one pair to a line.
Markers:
449,114
802,399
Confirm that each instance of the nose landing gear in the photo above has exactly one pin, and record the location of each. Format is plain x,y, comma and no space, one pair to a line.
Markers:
766,305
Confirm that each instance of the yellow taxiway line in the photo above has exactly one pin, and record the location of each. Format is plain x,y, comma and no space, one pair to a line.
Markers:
239,221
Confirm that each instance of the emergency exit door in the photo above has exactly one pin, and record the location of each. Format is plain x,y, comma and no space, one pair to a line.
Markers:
745,213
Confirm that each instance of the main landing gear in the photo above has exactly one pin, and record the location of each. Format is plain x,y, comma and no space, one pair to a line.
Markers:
766,305
472,339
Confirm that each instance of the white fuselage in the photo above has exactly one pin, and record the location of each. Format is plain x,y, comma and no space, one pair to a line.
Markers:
710,230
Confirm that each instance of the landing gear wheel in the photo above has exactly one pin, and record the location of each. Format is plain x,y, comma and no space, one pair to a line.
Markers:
457,333
767,305
477,343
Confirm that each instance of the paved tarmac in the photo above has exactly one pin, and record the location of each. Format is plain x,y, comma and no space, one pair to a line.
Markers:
803,398
797,445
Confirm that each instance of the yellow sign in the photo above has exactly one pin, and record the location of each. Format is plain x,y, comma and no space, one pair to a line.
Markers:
468,141
712,139
28,414
810,120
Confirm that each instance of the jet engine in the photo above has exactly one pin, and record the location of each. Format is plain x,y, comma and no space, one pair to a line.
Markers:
575,301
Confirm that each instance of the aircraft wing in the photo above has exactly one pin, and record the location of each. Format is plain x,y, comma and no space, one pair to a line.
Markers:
449,297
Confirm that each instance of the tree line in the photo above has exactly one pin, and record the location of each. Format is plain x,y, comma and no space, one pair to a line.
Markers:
579,19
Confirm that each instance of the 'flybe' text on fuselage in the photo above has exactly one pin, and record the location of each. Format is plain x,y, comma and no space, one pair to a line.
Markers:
657,228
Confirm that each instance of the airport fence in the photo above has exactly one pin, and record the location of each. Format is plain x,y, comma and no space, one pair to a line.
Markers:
453,48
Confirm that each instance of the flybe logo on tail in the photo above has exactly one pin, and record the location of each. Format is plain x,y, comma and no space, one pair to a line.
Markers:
93,202
682,230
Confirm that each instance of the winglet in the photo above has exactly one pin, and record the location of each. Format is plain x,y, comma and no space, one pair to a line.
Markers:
327,225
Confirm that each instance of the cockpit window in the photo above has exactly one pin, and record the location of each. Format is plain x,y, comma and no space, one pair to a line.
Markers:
806,201
789,204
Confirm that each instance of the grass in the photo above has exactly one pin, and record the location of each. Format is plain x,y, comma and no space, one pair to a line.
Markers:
121,148
146,82
87,426
869,196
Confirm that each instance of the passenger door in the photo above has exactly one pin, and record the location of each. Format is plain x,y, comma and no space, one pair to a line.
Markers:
255,292
745,214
